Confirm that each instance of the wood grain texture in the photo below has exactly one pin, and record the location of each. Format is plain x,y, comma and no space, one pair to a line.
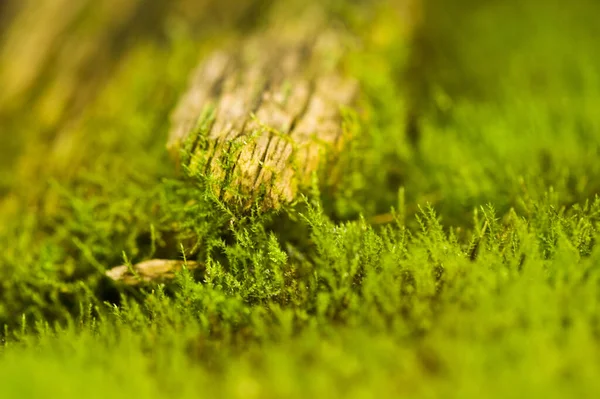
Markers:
261,118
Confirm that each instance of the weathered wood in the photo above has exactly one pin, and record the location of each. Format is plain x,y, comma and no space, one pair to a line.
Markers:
149,271
262,117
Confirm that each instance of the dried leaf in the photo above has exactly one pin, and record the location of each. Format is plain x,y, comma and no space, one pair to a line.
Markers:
149,271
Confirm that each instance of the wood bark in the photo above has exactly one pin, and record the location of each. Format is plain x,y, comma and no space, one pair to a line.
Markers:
262,117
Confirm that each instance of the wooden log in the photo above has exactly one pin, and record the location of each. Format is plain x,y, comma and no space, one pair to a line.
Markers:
262,117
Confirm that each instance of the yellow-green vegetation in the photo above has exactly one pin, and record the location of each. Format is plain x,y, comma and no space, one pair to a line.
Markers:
457,261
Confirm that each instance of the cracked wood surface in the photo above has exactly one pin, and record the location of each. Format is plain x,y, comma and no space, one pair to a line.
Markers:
261,118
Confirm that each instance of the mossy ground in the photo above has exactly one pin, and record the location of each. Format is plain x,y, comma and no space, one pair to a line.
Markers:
463,266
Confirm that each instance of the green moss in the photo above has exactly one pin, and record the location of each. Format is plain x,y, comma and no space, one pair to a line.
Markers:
460,263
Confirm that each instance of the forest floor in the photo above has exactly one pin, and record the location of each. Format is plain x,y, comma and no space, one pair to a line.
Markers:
462,265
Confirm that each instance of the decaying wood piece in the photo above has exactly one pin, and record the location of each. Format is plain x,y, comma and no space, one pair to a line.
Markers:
149,271
262,118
